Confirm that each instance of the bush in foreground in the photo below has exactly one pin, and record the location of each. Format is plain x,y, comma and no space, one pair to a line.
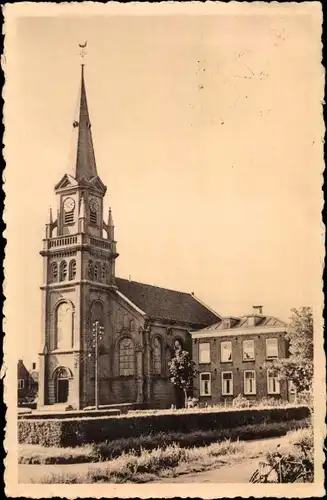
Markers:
74,432
36,454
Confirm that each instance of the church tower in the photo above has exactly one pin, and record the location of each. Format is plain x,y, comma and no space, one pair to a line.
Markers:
79,252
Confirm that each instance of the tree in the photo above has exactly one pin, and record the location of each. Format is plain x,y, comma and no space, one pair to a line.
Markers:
300,335
298,367
182,371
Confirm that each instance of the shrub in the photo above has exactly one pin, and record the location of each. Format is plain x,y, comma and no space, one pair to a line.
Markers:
113,449
241,402
74,432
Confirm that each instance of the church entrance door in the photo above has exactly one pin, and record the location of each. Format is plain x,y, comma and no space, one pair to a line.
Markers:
62,390
62,378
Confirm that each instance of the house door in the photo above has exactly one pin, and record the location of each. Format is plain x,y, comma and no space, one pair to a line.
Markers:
62,390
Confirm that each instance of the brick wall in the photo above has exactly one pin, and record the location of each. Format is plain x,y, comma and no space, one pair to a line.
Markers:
237,366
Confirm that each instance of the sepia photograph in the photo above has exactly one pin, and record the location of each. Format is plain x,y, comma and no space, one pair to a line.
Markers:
165,249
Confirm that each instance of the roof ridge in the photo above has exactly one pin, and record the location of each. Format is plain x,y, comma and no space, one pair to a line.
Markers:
155,286
206,306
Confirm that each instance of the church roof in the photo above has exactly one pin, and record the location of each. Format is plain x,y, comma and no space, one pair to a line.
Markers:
170,305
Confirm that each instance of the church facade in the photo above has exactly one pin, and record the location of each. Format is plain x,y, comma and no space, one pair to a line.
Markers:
139,326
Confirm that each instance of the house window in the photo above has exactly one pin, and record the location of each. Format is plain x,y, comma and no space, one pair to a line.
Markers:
54,272
291,387
157,355
248,350
20,383
96,271
249,382
226,351
72,269
205,384
126,357
63,270
272,348
204,352
273,386
227,383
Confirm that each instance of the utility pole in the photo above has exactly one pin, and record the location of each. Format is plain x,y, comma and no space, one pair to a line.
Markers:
97,331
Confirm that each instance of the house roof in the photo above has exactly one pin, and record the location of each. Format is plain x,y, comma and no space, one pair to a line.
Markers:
243,323
163,304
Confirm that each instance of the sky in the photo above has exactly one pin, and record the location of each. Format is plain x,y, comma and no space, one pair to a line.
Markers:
208,134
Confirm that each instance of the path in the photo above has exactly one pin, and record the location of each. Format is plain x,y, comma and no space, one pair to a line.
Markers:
237,473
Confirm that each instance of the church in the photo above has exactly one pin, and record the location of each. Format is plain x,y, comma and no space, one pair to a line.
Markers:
105,340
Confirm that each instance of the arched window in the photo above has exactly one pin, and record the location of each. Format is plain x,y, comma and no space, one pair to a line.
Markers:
126,357
178,346
157,355
97,271
126,322
132,324
64,326
91,270
97,313
118,318
104,273
54,272
72,269
63,270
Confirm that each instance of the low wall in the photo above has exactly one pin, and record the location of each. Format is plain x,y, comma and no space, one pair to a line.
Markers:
78,431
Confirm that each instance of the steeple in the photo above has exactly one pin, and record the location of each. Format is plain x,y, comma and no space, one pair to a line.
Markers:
85,159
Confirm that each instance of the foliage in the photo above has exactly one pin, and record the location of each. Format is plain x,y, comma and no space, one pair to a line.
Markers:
300,335
290,463
241,402
156,463
76,431
107,450
298,368
182,371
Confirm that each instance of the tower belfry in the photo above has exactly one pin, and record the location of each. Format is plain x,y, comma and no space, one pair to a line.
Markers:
79,253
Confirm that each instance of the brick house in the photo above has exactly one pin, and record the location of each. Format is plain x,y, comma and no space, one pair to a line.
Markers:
27,381
230,358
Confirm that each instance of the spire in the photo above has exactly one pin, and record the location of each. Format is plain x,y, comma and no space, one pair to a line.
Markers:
85,160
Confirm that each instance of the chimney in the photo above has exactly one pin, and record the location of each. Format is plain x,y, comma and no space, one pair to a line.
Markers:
257,309
33,366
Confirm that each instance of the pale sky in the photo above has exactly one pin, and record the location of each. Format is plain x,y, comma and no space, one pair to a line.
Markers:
207,132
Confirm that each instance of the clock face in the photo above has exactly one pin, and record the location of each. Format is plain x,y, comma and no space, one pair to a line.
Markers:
69,205
94,205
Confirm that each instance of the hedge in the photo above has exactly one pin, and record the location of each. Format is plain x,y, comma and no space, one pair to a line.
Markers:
70,414
78,431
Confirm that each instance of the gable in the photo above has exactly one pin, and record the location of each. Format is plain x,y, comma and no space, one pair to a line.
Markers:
66,181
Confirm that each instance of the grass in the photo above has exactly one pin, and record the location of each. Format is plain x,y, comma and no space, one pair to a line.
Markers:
145,465
149,465
36,454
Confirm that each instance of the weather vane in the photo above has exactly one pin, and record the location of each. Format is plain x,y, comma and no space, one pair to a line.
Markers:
82,51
